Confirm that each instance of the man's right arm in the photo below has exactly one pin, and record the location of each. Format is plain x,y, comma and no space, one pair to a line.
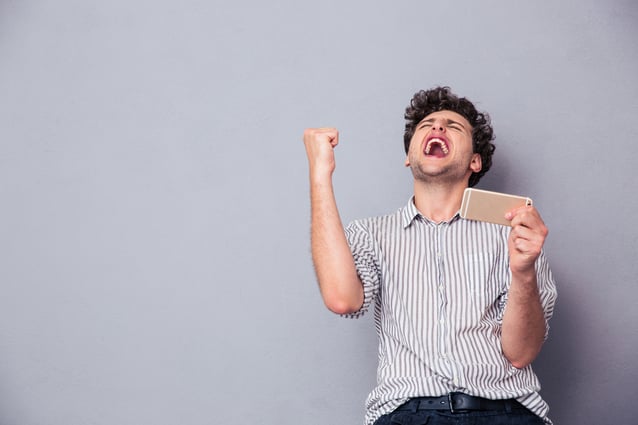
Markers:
340,286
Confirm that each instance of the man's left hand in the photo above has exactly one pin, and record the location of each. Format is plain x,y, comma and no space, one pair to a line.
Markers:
526,238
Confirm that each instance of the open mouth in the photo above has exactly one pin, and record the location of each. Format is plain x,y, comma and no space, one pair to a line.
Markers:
436,147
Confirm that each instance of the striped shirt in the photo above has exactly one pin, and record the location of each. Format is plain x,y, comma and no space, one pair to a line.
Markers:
439,293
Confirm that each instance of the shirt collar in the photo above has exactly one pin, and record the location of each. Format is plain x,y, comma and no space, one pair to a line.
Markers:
410,213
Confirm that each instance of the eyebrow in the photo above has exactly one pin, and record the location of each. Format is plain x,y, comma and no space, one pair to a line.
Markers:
448,122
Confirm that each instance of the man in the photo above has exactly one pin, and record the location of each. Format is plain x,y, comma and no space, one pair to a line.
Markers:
461,306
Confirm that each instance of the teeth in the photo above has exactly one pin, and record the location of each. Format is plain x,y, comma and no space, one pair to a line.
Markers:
439,142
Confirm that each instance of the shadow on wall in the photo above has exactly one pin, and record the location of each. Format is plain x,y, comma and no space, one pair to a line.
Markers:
560,366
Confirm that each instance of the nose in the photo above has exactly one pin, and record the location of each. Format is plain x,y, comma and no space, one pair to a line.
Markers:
438,125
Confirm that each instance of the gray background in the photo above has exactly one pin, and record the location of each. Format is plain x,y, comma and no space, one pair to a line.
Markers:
154,242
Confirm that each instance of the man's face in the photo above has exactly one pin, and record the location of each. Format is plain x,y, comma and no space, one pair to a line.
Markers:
441,149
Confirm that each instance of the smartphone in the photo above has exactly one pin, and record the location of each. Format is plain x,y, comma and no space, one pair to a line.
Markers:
484,205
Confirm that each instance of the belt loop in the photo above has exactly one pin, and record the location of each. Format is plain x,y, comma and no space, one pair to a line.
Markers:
450,401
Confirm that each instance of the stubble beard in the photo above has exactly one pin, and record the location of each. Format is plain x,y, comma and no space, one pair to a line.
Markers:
443,175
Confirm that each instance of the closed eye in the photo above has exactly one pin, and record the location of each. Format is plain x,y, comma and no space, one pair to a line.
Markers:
454,125
425,124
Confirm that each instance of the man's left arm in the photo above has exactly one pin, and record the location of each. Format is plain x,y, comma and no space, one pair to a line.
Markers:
524,325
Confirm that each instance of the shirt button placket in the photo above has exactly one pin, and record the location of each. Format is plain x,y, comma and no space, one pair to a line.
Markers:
442,331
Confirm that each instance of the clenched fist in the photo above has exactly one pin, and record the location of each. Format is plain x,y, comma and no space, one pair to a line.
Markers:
320,143
526,238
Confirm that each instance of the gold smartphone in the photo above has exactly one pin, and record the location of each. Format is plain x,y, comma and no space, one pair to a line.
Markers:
484,205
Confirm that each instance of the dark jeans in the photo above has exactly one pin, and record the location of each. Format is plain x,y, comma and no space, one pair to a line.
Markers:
475,417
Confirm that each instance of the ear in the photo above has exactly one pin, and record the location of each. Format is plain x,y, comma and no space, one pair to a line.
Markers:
407,161
477,163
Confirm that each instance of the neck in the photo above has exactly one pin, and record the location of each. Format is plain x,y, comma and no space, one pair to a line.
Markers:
439,202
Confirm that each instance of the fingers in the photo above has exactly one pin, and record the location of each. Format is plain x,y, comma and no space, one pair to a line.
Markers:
526,237
529,218
322,134
519,210
526,240
320,143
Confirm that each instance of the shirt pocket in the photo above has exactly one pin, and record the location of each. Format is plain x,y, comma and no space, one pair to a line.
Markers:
482,281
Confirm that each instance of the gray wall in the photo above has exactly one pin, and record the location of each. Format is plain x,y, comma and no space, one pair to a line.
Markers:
154,250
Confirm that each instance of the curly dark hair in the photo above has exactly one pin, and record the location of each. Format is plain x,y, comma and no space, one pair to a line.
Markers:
424,103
